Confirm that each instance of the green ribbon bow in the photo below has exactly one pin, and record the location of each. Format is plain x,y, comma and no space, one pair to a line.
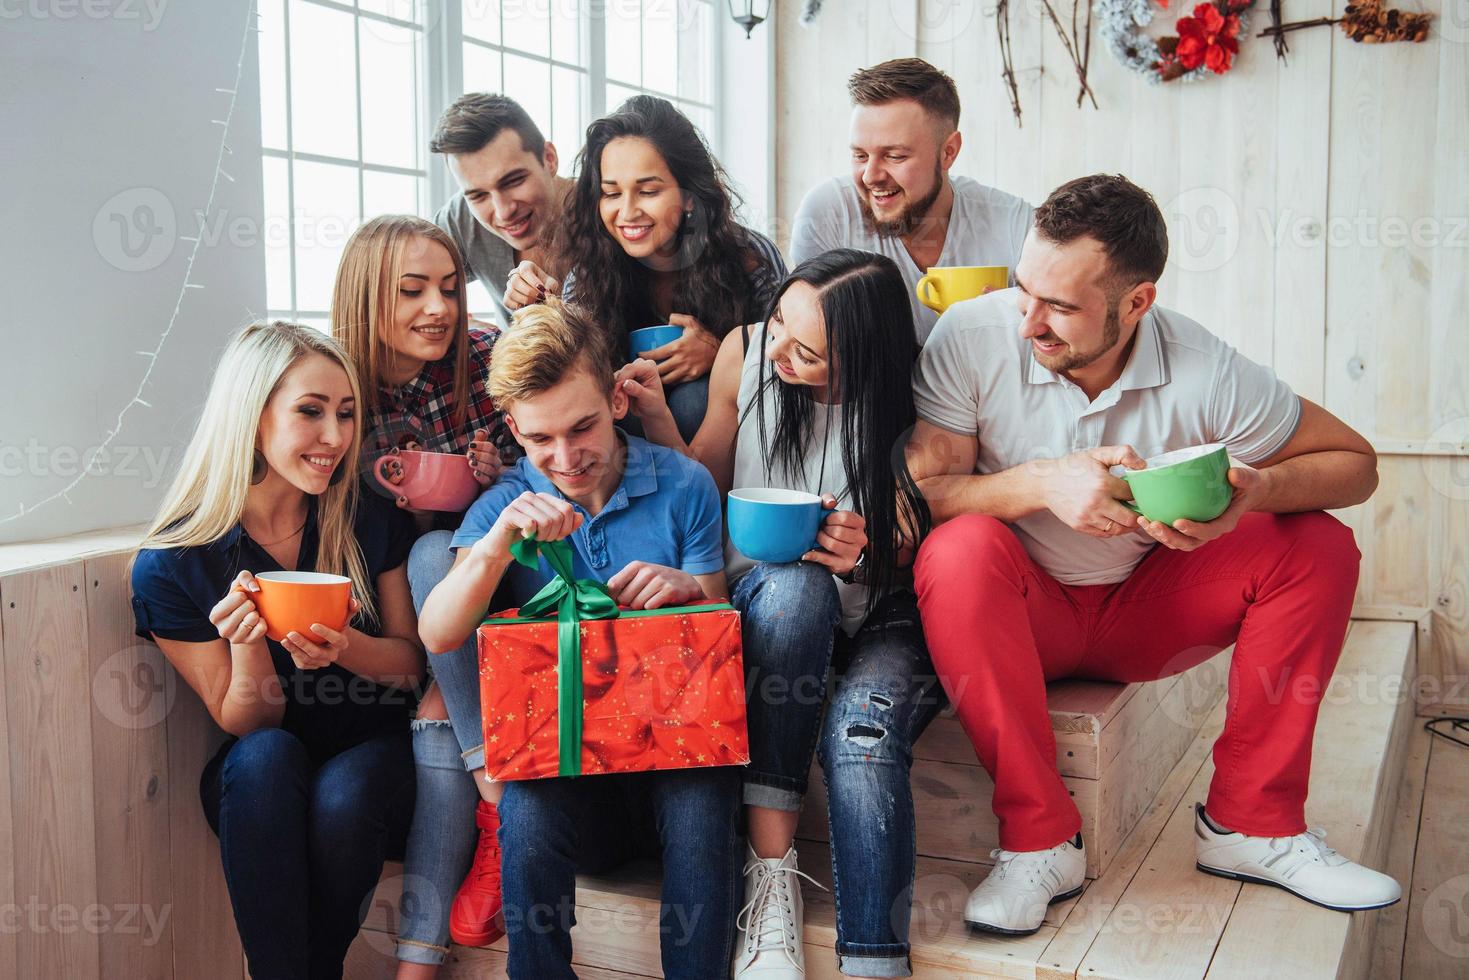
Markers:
570,600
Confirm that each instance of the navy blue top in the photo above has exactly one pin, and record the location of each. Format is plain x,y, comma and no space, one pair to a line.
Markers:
330,709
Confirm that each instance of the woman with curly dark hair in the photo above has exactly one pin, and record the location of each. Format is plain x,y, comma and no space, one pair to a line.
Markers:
650,238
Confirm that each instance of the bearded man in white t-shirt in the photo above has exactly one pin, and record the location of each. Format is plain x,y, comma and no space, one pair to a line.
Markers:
1029,400
900,200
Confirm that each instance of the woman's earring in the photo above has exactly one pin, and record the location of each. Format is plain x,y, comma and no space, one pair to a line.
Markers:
258,468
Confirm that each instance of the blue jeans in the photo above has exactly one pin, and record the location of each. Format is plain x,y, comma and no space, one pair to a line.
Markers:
441,843
303,845
789,615
887,695
456,672
688,402
550,829
442,839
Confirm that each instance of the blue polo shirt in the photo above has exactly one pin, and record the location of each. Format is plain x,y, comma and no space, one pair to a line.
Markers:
330,709
665,511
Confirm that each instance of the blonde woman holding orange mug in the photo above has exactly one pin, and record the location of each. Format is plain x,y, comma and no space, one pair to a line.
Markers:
315,786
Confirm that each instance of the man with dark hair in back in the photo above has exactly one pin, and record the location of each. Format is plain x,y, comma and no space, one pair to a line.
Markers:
1030,402
509,199
900,200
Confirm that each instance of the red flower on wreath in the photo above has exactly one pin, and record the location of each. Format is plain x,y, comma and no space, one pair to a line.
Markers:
1209,38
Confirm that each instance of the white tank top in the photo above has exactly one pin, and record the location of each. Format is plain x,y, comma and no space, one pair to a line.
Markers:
822,472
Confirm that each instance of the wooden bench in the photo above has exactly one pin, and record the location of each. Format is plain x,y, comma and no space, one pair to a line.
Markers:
1149,916
106,811
1115,743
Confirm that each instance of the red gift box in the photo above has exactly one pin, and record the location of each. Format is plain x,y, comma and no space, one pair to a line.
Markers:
660,689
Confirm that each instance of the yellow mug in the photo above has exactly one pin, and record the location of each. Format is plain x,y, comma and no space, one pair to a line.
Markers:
944,286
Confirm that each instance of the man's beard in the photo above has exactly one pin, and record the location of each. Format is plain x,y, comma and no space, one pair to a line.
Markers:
909,219
1111,333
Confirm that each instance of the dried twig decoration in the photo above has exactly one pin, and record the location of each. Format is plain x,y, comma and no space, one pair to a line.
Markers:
1077,42
1364,21
1073,45
1007,60
1280,46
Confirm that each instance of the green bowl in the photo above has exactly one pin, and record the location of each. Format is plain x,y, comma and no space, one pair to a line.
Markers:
1187,484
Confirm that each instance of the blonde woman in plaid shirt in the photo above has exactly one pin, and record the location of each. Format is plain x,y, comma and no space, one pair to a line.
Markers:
399,312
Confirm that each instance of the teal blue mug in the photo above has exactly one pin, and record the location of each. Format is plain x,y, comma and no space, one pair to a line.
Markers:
639,342
772,525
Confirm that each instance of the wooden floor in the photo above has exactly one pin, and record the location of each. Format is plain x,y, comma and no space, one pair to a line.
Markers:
1386,791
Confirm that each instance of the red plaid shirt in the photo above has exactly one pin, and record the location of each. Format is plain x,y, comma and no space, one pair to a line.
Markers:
422,410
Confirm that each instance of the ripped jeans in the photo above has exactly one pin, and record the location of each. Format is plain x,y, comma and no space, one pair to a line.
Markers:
887,695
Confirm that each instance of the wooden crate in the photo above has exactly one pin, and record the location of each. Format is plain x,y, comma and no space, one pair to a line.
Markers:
1115,744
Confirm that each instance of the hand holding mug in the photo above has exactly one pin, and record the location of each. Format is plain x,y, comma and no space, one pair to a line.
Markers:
840,540
235,616
690,356
529,283
484,459
393,470
1081,491
323,649
1249,489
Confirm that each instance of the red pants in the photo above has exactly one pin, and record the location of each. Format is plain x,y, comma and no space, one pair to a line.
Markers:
1279,587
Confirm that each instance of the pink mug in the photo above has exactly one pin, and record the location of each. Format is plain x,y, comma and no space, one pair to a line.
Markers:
431,481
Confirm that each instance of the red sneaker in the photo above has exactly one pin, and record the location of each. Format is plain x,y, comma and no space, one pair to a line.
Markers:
474,917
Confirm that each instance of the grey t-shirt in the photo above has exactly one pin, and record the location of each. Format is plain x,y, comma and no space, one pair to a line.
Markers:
987,227
487,256
1181,386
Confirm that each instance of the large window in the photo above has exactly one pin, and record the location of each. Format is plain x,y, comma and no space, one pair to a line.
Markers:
350,93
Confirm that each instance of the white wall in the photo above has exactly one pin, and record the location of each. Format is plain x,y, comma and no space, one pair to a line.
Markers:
1318,212
746,113
109,149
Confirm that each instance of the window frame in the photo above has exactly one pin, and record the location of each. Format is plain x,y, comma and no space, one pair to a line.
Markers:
439,68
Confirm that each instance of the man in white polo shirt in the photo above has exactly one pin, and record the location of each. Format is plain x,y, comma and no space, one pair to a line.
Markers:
900,200
1026,399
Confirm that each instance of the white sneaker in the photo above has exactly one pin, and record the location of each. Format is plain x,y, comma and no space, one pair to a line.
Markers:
1013,899
770,923
1303,865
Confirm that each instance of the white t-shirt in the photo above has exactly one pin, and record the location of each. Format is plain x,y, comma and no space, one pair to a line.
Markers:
986,227
822,471
1182,386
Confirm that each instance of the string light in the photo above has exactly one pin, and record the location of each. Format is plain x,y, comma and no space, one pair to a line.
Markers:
137,399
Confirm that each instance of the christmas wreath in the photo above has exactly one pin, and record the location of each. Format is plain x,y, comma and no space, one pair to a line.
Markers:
1206,42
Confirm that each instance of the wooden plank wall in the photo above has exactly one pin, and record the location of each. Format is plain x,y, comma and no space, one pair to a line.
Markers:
1319,220
107,866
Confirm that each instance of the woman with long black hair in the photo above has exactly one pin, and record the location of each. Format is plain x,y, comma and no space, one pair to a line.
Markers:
819,398
650,238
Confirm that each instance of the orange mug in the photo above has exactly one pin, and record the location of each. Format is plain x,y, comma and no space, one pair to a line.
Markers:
431,481
292,601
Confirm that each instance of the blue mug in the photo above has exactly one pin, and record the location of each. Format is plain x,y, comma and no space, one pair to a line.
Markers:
773,525
639,342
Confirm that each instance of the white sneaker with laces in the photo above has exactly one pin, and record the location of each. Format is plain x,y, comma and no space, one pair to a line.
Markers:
1023,884
1302,865
770,922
